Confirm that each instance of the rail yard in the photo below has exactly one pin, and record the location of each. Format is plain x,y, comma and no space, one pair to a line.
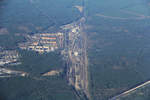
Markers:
77,62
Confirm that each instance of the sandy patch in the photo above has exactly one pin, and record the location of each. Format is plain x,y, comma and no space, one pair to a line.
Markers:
26,29
51,73
38,28
80,8
3,31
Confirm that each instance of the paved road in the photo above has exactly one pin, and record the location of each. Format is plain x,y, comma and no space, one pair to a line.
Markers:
130,90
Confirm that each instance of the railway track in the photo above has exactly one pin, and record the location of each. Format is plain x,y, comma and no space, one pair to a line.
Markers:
77,61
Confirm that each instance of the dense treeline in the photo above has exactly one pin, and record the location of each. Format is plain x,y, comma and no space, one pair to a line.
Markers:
52,88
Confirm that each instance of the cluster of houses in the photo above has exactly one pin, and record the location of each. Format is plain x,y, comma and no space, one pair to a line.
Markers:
43,42
8,57
40,42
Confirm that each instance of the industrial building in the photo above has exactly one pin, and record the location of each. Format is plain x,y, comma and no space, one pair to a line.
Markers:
43,42
8,57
